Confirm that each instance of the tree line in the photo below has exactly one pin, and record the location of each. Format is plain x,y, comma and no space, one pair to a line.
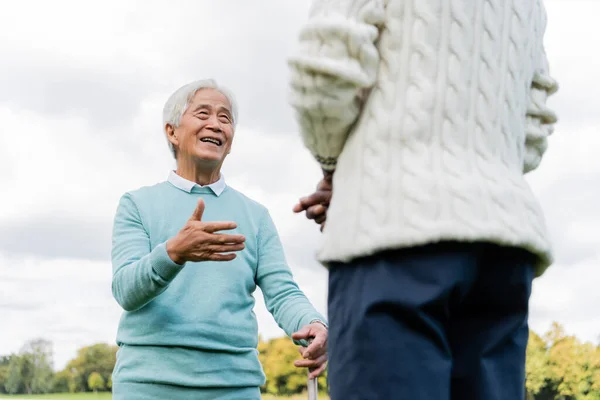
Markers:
559,367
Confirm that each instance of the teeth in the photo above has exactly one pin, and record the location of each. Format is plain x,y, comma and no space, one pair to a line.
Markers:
211,140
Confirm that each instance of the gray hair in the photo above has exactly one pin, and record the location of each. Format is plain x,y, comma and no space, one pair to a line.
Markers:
179,101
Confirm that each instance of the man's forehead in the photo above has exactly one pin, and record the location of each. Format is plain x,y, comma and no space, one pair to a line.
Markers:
210,98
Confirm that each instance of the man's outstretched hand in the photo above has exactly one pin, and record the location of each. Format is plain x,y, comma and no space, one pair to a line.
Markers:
315,355
203,241
316,204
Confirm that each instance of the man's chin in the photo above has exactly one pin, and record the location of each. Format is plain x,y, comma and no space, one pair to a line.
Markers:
208,158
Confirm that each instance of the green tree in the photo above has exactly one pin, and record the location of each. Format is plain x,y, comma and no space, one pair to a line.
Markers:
573,367
20,374
63,382
42,358
566,369
536,367
4,370
30,372
95,382
98,358
277,358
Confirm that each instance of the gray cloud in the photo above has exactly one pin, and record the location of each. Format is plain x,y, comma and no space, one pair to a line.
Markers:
253,66
46,86
252,63
56,236
20,306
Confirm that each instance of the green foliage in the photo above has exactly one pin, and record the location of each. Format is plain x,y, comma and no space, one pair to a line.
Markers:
283,378
98,358
4,370
559,367
17,375
30,371
536,367
63,382
95,382
573,367
42,354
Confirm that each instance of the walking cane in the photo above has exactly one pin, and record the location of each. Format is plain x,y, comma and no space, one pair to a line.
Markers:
313,385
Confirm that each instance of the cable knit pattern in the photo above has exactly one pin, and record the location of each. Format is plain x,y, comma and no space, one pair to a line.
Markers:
430,112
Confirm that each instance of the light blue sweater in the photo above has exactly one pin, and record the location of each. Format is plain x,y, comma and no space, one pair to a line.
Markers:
192,326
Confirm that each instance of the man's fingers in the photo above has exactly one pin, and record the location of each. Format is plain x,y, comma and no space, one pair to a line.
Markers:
213,227
220,238
304,333
321,219
314,212
298,208
197,214
222,257
316,348
317,372
311,363
320,197
227,248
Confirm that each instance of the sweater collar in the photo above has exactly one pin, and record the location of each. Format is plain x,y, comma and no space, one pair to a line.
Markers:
187,186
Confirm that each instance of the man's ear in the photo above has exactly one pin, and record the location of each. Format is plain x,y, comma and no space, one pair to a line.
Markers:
171,135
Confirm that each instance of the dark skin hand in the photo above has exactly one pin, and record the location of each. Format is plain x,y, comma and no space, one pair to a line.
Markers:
316,204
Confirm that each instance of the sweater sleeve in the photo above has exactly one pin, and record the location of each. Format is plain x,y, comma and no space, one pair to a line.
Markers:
336,64
283,298
139,273
540,118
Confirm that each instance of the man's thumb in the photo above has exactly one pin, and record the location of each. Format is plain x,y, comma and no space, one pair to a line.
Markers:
303,333
197,215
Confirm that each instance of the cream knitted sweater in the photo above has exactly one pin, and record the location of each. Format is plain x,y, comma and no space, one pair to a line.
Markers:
430,112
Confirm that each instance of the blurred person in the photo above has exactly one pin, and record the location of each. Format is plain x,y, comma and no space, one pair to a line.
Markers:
187,255
425,116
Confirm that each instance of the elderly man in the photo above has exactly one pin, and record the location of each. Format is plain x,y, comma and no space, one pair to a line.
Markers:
187,255
428,114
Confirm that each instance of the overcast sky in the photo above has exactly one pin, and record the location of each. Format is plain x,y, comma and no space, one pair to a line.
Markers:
82,85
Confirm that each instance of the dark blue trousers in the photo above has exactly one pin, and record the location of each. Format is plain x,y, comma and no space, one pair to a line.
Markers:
446,321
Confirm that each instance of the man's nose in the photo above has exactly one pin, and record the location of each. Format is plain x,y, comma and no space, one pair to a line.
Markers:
214,124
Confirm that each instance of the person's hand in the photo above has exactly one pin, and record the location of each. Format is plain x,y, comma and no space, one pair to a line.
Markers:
199,241
317,204
315,355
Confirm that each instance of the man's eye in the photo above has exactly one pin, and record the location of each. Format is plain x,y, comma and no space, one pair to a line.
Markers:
224,118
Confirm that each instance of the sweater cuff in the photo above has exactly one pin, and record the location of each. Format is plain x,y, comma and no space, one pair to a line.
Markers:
162,264
327,163
320,321
307,320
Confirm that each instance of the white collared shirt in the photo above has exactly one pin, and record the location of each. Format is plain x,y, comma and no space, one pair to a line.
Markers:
186,185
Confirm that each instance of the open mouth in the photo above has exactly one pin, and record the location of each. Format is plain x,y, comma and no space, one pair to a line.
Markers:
214,141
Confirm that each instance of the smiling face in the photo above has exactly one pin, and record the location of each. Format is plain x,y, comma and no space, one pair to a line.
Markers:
205,132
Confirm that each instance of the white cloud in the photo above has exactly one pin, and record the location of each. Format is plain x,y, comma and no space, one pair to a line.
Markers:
81,91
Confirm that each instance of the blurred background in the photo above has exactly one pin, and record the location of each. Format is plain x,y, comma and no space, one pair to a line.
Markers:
82,85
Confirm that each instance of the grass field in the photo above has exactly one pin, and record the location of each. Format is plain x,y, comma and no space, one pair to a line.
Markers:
107,396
